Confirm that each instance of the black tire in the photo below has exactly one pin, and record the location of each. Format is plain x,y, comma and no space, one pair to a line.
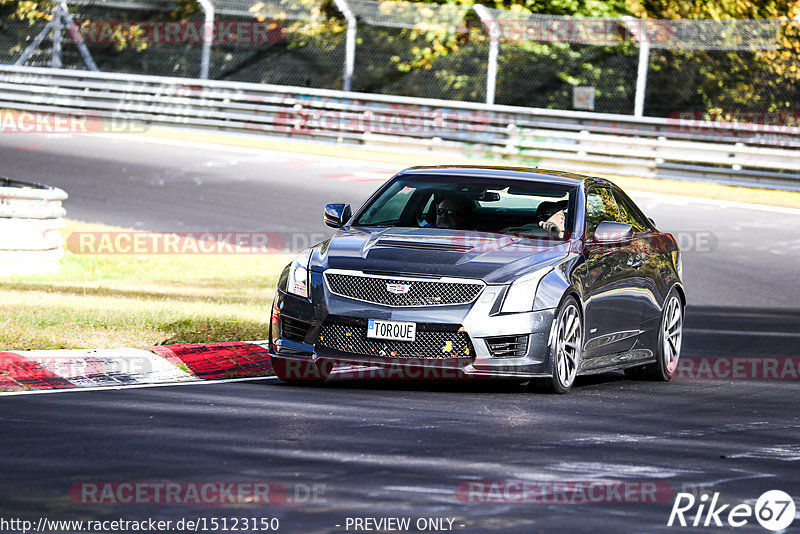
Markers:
567,349
668,351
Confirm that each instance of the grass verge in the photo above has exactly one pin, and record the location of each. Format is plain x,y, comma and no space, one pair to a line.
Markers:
105,300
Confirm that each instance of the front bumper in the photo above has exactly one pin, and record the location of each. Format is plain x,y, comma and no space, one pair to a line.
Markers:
297,324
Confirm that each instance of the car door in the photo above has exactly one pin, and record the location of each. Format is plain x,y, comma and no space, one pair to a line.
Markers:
612,285
650,269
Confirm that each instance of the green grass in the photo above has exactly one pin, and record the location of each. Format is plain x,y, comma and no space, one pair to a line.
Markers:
99,301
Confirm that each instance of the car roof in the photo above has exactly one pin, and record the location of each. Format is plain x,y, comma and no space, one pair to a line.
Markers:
517,173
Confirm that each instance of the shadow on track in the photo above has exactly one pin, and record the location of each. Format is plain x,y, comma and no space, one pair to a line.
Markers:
475,385
727,331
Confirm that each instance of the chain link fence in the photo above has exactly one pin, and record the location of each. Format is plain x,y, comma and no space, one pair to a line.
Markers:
429,50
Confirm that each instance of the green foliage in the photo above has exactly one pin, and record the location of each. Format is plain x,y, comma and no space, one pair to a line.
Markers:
726,82
570,8
27,10
440,58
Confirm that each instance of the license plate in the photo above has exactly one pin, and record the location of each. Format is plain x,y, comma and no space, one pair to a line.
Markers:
394,330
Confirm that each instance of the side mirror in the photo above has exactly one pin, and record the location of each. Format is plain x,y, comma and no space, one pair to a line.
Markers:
613,232
337,214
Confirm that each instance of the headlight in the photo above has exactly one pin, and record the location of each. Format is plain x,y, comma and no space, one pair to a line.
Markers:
298,274
521,294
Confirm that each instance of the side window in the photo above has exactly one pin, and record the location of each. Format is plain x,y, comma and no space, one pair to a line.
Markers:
600,206
629,215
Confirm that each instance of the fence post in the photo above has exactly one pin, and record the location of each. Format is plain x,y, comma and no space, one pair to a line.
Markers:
350,44
644,61
208,36
60,18
58,21
641,78
494,49
35,43
75,34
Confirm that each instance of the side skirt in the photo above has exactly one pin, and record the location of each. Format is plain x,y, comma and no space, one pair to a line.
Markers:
620,360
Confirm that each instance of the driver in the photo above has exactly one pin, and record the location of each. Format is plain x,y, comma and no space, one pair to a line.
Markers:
454,212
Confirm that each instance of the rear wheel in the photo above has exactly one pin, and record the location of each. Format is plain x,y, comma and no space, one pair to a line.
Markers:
567,349
669,343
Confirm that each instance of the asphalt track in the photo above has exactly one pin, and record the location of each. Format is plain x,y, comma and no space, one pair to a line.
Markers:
402,449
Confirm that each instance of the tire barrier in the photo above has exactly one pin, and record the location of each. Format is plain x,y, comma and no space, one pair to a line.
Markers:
31,220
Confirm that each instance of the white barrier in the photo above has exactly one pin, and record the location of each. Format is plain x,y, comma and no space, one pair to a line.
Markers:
741,153
31,220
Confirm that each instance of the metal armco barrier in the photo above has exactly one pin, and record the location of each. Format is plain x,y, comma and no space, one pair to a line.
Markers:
681,147
31,220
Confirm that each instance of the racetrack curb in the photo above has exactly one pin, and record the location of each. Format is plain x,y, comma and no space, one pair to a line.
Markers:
35,370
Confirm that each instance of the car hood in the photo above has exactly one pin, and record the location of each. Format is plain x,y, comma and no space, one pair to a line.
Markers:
493,258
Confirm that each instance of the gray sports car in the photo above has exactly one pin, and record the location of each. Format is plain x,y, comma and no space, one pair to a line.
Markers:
483,272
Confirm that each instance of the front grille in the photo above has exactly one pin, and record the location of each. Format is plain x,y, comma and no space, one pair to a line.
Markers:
294,329
507,346
424,245
428,344
420,292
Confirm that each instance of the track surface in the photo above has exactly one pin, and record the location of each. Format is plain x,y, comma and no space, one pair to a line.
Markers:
401,449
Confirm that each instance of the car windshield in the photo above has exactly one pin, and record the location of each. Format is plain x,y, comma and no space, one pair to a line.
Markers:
536,209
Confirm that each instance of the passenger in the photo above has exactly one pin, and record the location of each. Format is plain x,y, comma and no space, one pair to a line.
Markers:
552,217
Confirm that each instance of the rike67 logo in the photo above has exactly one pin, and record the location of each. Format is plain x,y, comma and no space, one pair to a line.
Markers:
774,510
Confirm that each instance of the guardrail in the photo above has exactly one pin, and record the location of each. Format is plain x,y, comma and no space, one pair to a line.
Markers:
31,220
738,153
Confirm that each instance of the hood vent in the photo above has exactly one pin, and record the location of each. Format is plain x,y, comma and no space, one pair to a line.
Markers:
424,245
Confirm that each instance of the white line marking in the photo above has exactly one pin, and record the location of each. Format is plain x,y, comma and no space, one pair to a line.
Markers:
666,197
682,200
357,163
420,489
739,333
199,381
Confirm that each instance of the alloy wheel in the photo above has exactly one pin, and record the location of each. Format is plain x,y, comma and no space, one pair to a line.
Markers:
568,343
672,334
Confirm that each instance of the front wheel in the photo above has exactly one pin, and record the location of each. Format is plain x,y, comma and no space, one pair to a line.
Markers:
567,348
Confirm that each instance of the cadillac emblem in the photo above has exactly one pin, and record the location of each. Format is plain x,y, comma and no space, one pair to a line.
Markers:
398,289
